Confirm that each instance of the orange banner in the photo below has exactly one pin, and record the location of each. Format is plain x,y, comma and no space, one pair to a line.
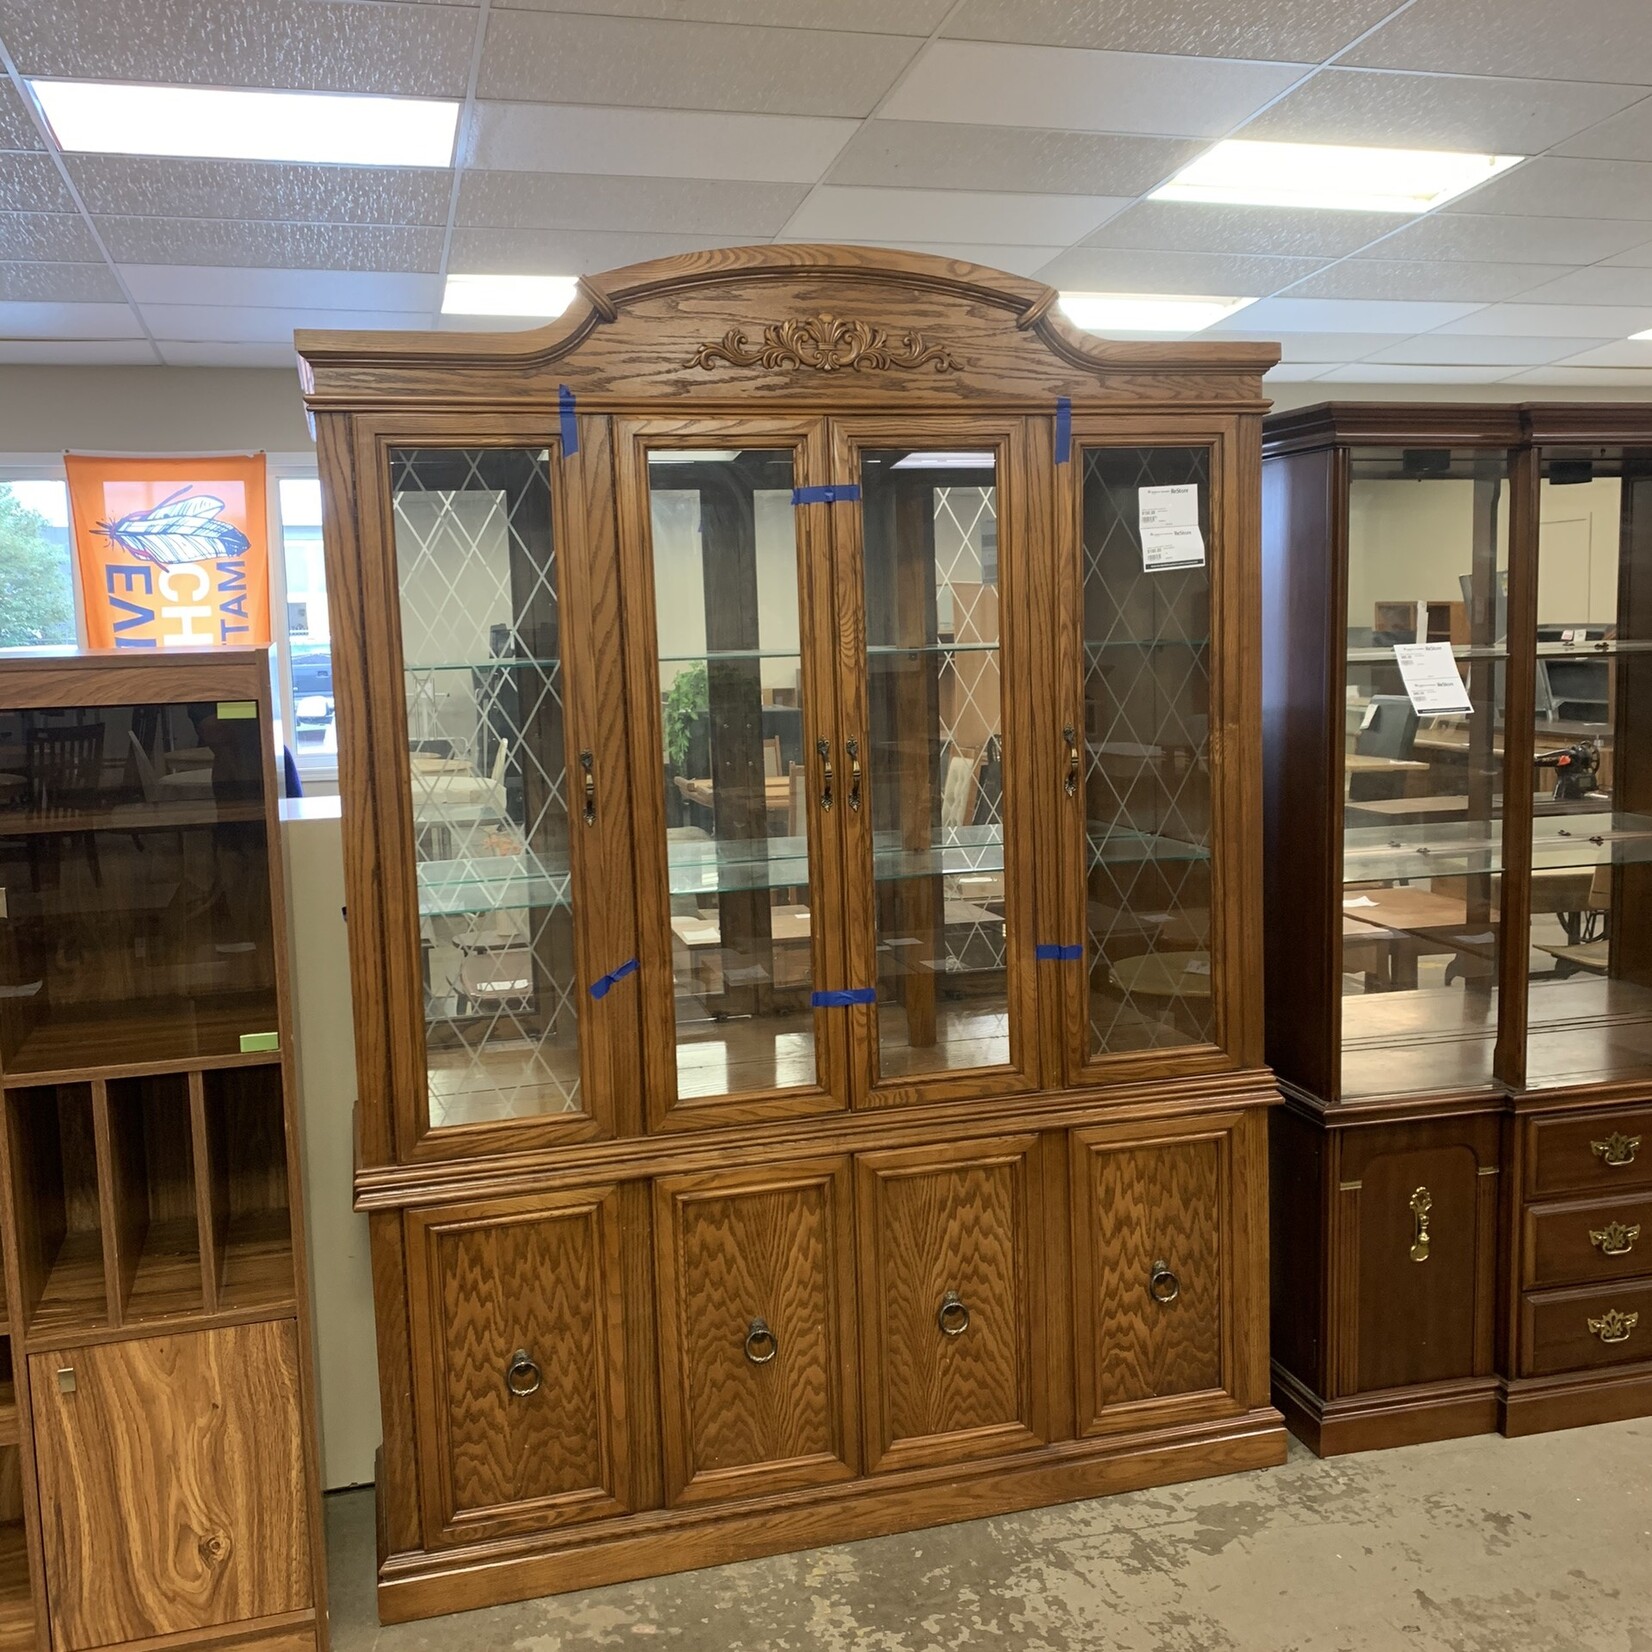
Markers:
173,553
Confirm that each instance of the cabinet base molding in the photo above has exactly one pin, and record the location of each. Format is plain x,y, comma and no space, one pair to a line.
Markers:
290,1632
1535,1405
1387,1417
427,1584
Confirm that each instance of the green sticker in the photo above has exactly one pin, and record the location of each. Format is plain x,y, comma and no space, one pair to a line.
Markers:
237,711
254,1043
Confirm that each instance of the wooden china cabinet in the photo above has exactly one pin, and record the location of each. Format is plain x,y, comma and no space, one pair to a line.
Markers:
1459,924
802,837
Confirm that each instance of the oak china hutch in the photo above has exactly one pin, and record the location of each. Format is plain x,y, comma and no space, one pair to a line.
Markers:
798,725
1459,924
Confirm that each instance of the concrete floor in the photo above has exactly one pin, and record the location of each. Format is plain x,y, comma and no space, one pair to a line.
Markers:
1483,1545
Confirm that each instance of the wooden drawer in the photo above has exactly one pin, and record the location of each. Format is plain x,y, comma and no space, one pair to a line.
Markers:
757,1345
1594,1239
1576,1330
1590,1153
517,1310
950,1293
1152,1223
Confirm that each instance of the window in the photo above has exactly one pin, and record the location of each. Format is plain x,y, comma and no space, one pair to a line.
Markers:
37,587
306,650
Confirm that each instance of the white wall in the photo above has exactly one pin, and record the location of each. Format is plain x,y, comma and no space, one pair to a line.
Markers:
1577,565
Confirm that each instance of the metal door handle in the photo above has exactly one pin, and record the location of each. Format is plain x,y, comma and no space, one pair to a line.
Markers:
1162,1285
953,1315
1616,1150
1070,784
522,1375
761,1343
1422,1201
824,748
585,762
853,749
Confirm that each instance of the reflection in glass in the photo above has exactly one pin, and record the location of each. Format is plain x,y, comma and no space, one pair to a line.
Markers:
481,652
738,803
1143,757
1422,807
1589,961
933,763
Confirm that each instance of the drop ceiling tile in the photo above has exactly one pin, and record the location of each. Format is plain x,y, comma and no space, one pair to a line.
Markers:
1323,349
1411,278
1365,372
32,320
1555,320
1281,30
1474,238
144,187
1292,372
305,45
1027,261
669,206
923,154
1565,189
60,283
290,289
555,57
949,215
32,183
229,324
1227,275
1599,284
17,130
1331,315
1638,257
1618,352
487,323
58,352
190,353
230,242
655,143
563,251
1182,226
52,237
1589,40
969,83
1589,379
1502,117
1625,137
1470,350
912,17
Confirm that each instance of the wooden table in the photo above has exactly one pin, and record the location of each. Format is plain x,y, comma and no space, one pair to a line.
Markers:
1418,923
777,792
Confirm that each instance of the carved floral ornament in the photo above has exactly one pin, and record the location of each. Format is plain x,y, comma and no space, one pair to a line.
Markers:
826,344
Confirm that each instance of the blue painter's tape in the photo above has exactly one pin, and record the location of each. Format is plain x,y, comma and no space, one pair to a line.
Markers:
832,493
600,989
1063,429
844,996
1053,952
570,425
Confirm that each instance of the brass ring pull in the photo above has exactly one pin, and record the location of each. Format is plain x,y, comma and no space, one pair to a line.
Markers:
1616,1238
824,748
761,1343
522,1376
953,1315
585,762
1070,784
1613,1325
1616,1149
853,749
1162,1285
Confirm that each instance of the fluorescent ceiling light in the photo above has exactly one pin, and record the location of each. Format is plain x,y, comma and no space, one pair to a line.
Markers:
525,295
1240,173
1147,312
110,118
1647,335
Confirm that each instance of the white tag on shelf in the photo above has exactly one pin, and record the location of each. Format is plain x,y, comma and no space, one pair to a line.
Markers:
1429,671
1369,718
1169,522
1358,900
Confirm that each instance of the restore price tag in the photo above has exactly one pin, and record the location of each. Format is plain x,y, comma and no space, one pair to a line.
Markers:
1429,672
1169,521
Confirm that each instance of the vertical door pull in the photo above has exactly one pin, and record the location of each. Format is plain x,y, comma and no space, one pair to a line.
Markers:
1070,784
824,747
1422,1201
585,762
853,749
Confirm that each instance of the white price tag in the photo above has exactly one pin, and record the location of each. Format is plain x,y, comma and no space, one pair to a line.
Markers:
1429,671
1169,522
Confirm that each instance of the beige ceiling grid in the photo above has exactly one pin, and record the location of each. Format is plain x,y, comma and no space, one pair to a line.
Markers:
1021,133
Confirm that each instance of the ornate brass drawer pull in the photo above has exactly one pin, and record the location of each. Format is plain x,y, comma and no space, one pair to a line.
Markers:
1614,1326
823,749
761,1343
952,1316
589,813
1617,1149
1162,1285
522,1376
1070,783
1422,1201
853,749
1616,1238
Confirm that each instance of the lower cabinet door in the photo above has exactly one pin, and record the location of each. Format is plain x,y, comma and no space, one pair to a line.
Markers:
517,1311
172,1483
757,1346
1153,1246
951,1302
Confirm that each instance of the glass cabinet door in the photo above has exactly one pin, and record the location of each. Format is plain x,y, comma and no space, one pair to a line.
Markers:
482,640
1422,779
1138,761
1589,952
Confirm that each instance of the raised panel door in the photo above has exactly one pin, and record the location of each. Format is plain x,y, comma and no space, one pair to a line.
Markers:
951,1313
518,1314
172,1483
756,1296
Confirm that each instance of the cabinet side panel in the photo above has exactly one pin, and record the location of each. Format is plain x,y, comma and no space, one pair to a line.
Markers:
1297,1244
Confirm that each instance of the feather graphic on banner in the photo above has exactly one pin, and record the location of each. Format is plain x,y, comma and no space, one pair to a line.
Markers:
179,529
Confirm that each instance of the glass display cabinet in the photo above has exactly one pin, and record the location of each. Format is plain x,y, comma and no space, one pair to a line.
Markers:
156,1398
1444,859
798,745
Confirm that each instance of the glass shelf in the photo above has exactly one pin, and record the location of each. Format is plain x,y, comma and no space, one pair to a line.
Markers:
1608,648
1111,643
490,883
1111,845
1596,838
512,663
1384,655
1447,848
874,650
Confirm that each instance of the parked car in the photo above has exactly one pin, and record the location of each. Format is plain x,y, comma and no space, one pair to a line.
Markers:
312,687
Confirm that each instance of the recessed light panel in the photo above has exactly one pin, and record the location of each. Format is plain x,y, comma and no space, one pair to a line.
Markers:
1339,176
102,117
523,295
1147,312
